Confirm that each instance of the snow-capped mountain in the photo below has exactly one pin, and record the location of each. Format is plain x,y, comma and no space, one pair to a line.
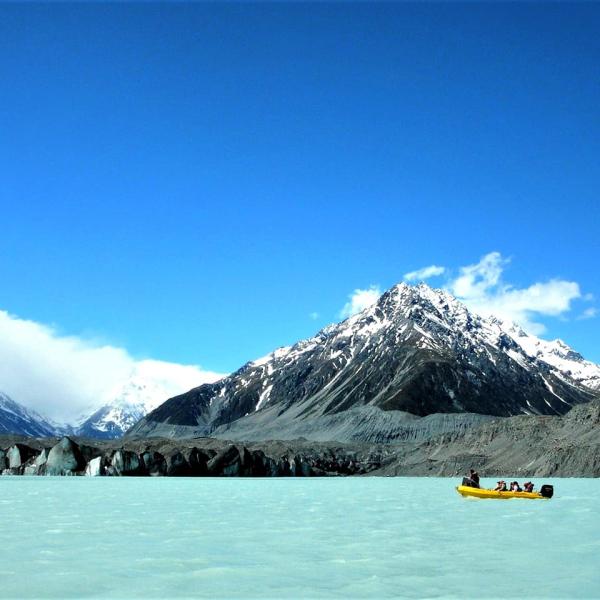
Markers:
15,418
147,387
415,352
563,359
132,401
149,384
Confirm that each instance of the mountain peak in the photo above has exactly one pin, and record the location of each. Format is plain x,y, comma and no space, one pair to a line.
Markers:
404,294
415,350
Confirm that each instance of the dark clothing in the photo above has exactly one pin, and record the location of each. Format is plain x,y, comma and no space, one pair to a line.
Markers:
474,477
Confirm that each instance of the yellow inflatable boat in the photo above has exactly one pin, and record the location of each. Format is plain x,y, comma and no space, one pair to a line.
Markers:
465,490
469,488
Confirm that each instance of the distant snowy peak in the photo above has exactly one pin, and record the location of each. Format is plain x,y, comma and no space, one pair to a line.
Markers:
16,418
146,388
110,421
130,402
138,391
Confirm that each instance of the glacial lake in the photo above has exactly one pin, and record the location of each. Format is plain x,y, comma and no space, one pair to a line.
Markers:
78,537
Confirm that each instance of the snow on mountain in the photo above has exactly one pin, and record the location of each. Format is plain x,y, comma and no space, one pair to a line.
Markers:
16,418
134,399
564,361
150,384
416,350
146,389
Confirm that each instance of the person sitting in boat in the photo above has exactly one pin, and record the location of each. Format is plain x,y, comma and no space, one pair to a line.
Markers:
501,487
514,487
528,486
474,477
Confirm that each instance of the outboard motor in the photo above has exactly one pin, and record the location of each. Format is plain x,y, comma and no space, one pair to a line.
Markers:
469,482
547,491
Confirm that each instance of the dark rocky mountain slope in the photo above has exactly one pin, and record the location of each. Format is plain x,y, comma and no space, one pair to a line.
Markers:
16,418
381,375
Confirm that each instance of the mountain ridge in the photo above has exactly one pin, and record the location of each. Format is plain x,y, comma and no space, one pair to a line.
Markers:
322,392
129,402
416,351
16,418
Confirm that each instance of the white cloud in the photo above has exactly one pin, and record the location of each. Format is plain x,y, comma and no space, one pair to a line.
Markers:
481,288
359,300
314,316
588,313
478,280
424,273
63,376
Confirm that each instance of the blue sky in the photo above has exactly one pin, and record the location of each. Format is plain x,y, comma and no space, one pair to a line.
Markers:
201,183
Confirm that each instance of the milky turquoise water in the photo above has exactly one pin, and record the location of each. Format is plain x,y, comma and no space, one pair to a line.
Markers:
290,538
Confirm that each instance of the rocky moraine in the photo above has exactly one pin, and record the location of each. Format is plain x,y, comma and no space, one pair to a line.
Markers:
528,446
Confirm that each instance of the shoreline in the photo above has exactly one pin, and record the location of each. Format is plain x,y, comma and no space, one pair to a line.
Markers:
525,446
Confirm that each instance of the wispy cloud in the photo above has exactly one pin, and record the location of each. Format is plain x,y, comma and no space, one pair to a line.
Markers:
62,376
588,313
358,300
314,316
424,273
481,287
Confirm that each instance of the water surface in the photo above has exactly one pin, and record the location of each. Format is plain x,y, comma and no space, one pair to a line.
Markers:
79,537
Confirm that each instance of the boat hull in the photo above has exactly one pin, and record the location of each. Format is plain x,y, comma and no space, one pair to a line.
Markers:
471,492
